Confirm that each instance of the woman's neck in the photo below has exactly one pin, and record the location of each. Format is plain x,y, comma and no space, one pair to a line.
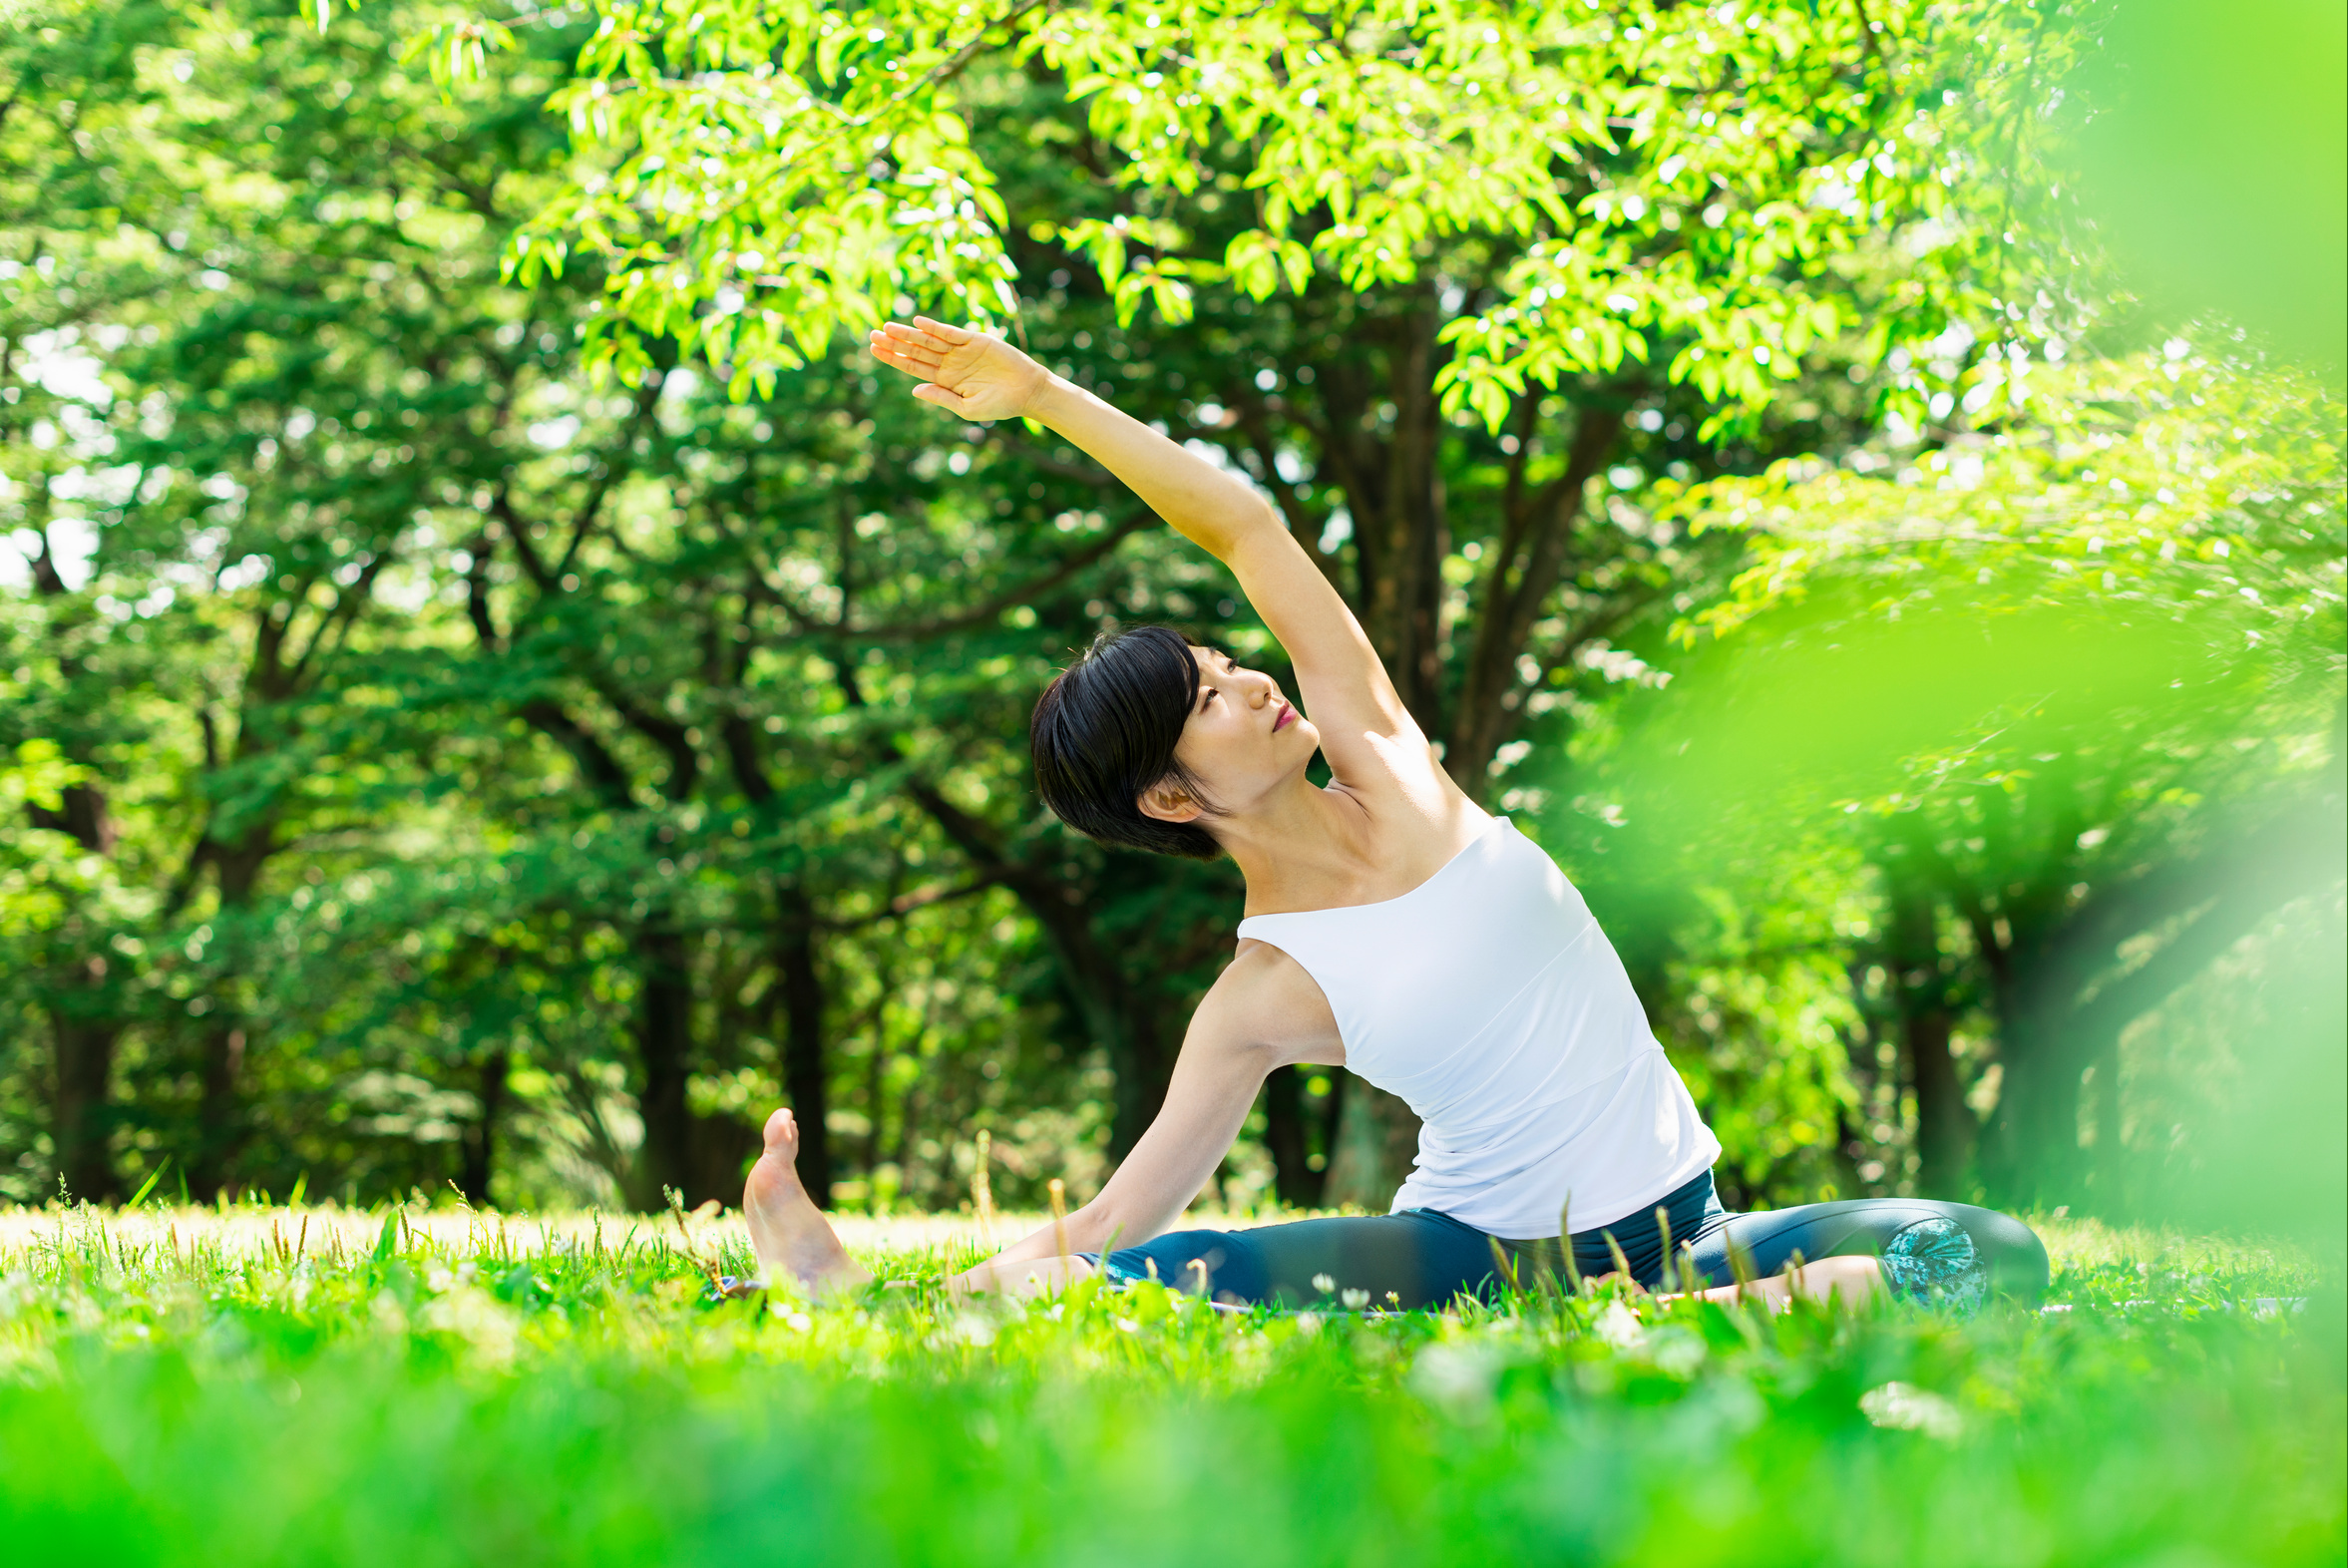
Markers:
1302,848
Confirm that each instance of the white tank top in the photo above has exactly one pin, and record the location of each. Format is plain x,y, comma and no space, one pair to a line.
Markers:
1488,999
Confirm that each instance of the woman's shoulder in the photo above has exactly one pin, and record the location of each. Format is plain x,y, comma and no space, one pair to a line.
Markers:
1270,998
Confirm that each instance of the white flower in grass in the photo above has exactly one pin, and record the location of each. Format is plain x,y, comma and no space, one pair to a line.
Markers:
493,1330
1457,1377
1619,1327
1676,1352
1907,1408
1324,1283
1355,1299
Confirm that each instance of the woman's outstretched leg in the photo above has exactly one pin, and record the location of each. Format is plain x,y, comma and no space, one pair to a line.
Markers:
1416,1259
789,1233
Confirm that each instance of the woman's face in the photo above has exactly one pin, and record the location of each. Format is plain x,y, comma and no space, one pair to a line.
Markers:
1242,740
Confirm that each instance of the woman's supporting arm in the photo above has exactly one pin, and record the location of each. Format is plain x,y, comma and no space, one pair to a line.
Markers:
1216,1078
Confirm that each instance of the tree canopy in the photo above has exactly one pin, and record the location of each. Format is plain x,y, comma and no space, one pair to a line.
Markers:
499,692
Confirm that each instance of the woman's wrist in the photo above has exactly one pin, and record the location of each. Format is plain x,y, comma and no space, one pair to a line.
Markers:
1051,399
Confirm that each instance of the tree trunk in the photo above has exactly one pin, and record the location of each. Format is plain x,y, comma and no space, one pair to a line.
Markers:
1144,1070
1116,1019
1404,594
84,1032
875,1100
2048,1149
805,1070
1119,1017
800,986
2110,1163
664,1004
1293,1181
220,1128
84,1119
1528,560
2069,1011
1291,1131
1944,1123
1945,1127
909,1116
83,1022
480,1144
1377,1142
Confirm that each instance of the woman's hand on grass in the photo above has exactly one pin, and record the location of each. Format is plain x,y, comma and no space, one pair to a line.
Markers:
974,374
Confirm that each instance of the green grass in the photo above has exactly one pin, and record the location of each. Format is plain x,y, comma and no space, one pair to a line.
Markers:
320,1387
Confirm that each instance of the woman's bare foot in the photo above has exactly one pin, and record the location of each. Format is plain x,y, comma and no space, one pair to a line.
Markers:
788,1231
1850,1281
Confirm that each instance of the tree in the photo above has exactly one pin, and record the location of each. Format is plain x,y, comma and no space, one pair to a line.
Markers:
487,709
1524,235
84,207
2072,682
592,762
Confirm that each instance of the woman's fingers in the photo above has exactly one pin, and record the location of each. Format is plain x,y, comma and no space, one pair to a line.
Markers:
926,341
952,402
918,369
936,354
904,352
954,335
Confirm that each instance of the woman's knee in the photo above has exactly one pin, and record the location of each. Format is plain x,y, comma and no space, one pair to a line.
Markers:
2006,1256
2010,1258
2011,1250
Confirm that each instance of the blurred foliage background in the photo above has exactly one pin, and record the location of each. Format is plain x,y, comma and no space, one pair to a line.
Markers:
494,692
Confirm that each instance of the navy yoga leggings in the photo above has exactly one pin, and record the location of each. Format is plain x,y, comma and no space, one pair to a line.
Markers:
1951,1254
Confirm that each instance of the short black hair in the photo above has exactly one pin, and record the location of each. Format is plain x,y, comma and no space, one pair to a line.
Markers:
1105,730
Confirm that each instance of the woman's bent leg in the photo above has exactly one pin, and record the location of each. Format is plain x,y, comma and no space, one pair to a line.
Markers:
1641,1242
1952,1252
1408,1259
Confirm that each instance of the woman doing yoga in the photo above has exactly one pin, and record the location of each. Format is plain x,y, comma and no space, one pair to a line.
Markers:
1393,929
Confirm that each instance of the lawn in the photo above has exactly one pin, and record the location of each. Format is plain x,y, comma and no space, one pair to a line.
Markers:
265,1386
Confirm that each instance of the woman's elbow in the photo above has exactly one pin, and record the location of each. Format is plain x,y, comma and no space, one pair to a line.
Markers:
1257,514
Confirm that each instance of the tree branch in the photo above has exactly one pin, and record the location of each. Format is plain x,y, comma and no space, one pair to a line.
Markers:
604,773
1512,607
962,620
1301,525
647,398
1036,457
2288,859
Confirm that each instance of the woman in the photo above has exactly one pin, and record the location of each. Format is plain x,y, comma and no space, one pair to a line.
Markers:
1392,928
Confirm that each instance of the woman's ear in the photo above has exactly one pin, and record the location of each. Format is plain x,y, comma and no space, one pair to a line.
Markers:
1169,802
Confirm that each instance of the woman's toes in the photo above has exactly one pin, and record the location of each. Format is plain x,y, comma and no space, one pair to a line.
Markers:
782,1130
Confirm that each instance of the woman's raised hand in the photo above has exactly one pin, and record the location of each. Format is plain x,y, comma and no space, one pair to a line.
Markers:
974,374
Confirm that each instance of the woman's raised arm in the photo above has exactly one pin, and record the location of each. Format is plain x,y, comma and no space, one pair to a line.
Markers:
1345,689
